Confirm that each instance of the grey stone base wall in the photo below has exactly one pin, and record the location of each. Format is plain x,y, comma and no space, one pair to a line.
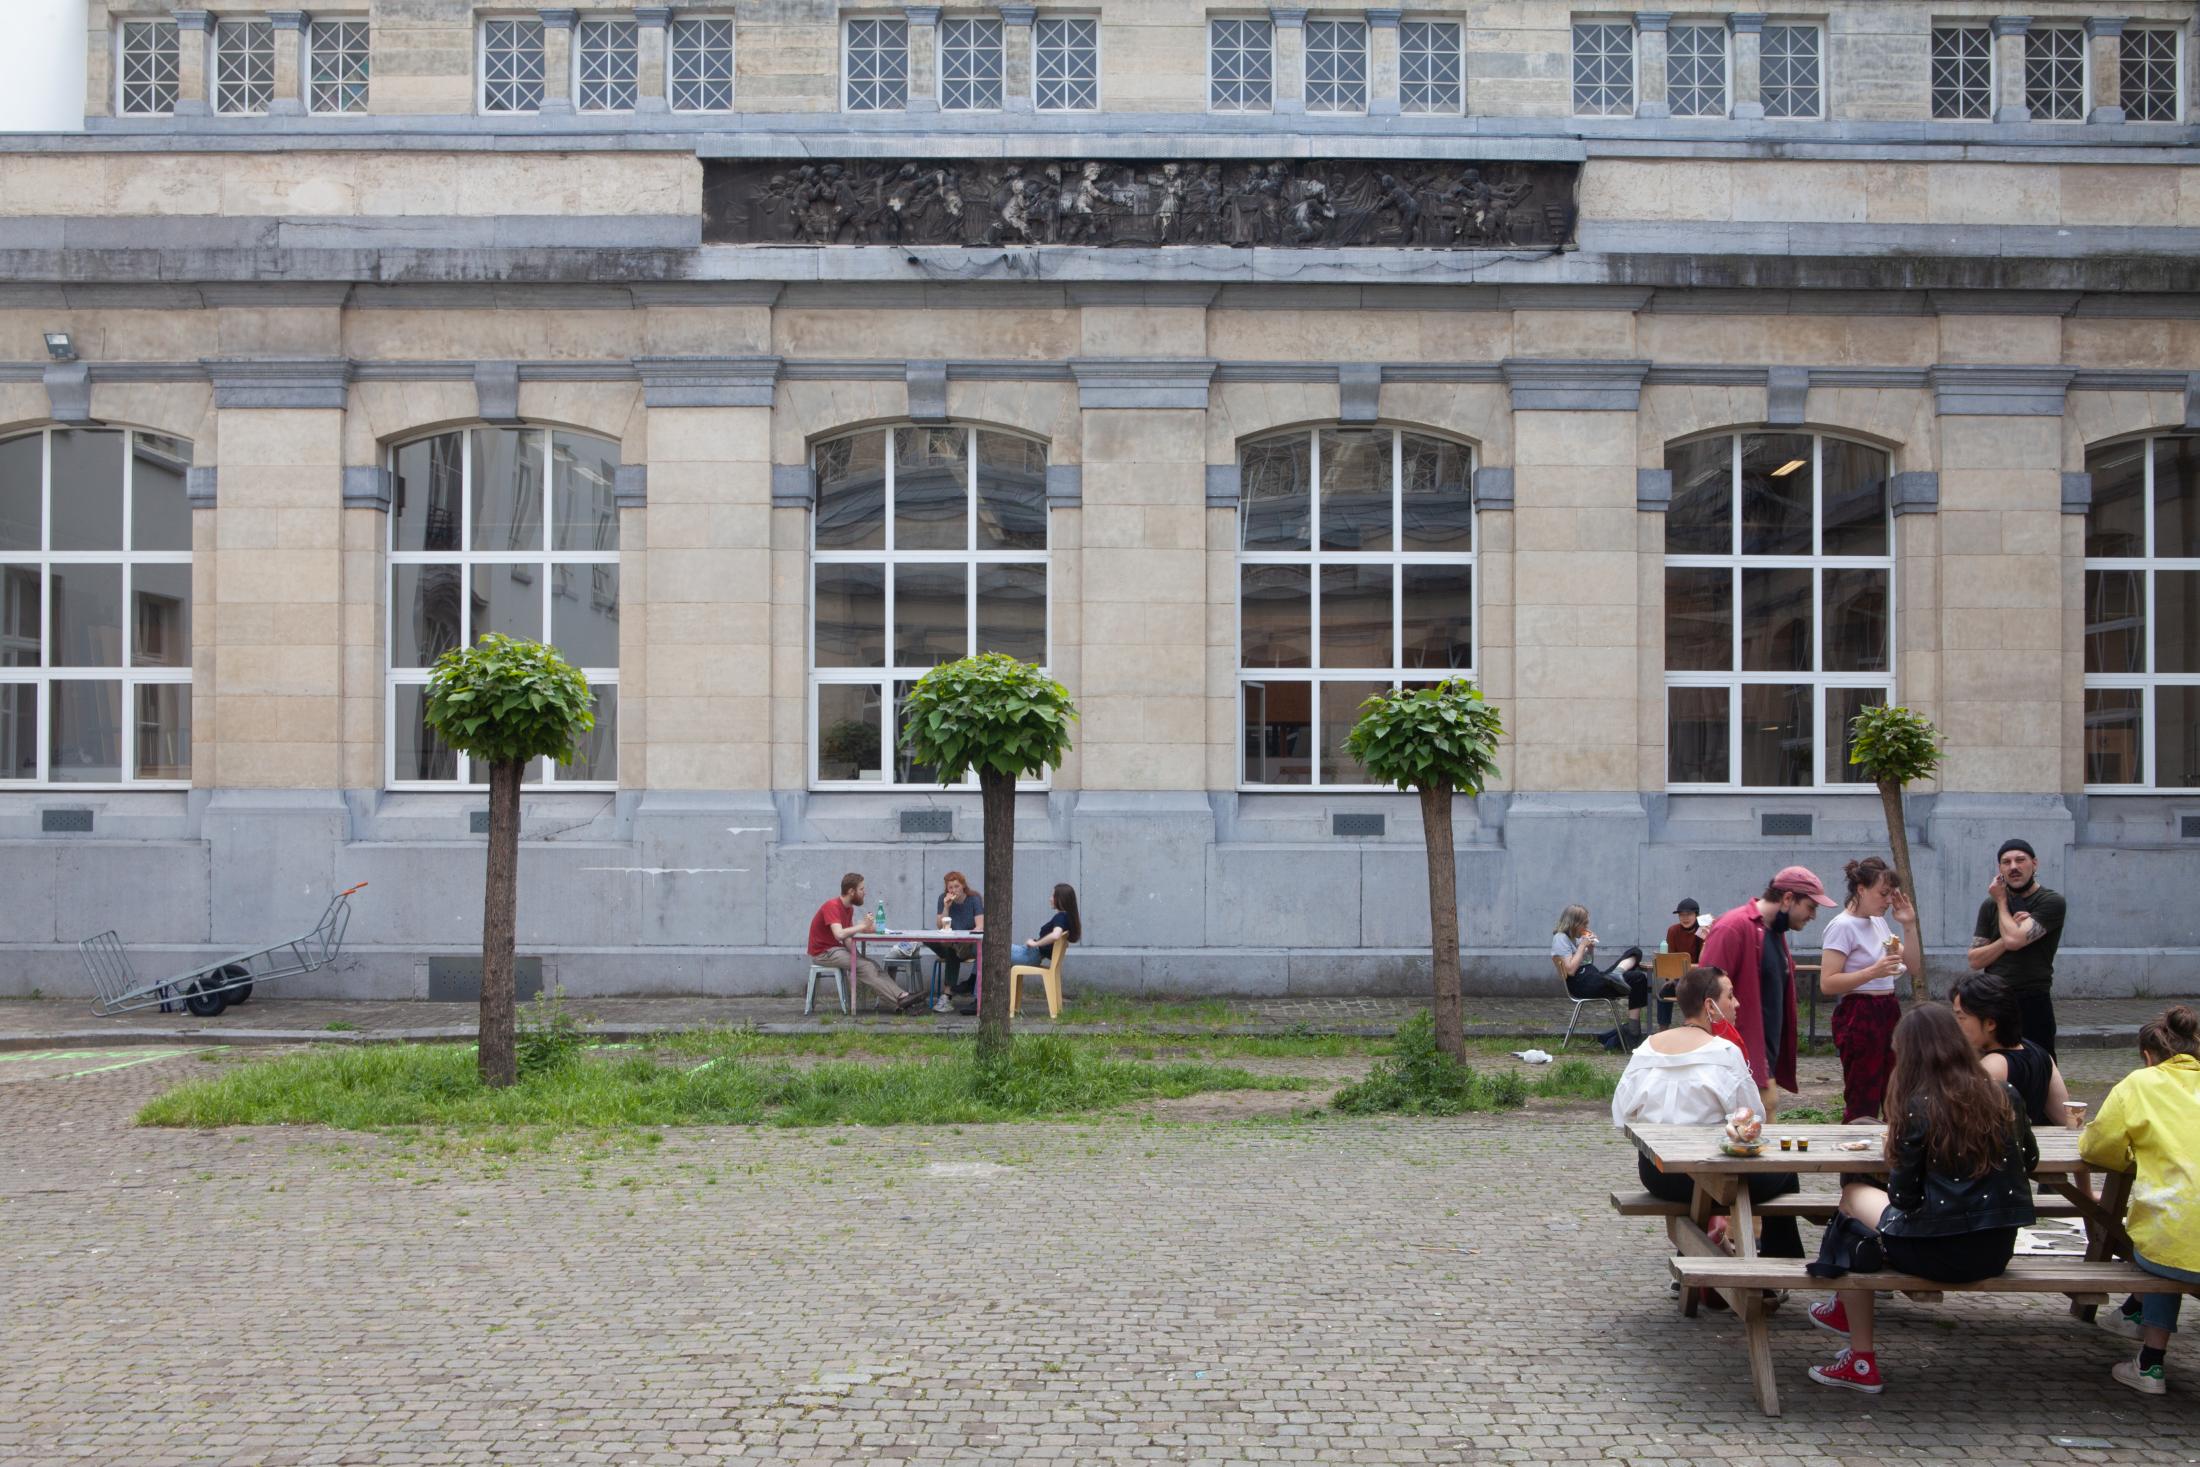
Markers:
1183,893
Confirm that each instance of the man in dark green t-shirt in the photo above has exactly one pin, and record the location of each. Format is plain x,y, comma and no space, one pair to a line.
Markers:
2020,924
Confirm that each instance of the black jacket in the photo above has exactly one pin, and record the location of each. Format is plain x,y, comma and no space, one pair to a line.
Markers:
1923,1202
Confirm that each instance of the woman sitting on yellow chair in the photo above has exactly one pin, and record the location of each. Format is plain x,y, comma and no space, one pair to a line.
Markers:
1062,926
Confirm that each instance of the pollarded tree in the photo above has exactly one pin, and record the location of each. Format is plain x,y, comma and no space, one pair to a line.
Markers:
1441,741
1895,748
505,702
1009,721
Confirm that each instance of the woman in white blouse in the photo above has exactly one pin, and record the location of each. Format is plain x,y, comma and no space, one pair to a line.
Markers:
1689,1076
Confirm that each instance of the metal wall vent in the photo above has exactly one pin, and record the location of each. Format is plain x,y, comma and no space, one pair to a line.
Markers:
477,821
2188,826
79,822
1783,822
1355,823
927,822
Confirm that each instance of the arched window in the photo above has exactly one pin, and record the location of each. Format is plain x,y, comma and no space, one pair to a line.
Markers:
1355,575
95,608
929,545
512,530
2142,615
1779,608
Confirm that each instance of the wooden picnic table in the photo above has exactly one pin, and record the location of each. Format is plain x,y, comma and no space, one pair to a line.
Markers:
1721,1184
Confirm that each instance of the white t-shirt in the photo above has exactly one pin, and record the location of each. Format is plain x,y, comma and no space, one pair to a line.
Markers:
1698,1088
1862,941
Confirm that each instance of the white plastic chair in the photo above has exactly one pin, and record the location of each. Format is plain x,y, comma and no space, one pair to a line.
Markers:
834,975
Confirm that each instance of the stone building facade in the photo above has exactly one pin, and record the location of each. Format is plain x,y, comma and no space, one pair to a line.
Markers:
1688,379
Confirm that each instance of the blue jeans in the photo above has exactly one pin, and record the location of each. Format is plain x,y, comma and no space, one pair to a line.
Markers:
2159,1311
1024,955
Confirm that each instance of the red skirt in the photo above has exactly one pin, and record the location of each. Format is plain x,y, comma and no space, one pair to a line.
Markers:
1863,1034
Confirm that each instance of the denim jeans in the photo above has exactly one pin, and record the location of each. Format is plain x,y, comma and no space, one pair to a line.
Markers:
2159,1311
1024,955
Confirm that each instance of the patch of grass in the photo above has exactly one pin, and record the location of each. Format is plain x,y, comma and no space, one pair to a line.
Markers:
1575,1079
435,1085
747,1043
1417,1078
339,1026
1810,1115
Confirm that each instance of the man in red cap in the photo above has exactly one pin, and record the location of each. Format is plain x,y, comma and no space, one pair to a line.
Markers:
1750,945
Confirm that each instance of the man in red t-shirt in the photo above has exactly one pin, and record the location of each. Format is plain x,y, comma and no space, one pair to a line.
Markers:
836,921
1750,945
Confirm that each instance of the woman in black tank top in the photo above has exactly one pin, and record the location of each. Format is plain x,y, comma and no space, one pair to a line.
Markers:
1994,1023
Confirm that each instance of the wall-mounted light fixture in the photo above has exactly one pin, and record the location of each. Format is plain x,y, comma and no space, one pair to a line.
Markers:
59,347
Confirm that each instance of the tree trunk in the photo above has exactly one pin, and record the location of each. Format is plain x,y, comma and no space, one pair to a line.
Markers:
1443,921
1898,835
995,1022
499,912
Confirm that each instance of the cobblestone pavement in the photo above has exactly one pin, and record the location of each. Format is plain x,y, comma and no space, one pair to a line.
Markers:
1328,1291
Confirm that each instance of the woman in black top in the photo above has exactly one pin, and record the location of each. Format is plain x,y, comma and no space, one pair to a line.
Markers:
1993,1020
1062,926
1960,1155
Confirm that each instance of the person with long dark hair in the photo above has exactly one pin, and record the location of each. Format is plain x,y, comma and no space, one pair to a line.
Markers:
1063,925
1860,961
1960,1154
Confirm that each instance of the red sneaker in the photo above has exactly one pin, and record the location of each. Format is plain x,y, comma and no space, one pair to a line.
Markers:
1832,1316
1850,1371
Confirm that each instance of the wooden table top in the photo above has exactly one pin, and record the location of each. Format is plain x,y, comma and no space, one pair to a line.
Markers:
1694,1149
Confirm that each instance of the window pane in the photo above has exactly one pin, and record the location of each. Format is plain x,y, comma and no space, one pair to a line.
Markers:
701,61
420,752
2177,738
1842,706
1701,519
149,67
2054,74
2149,68
87,489
596,753
1438,503
584,476
1339,711
1696,70
1276,494
607,64
1278,733
2115,621
21,615
1854,498
1696,750
507,599
2116,523
1776,621
584,614
1699,620
931,489
1776,738
2177,621
18,731
244,65
2112,750
341,60
424,488
1012,493
424,613
1356,616
1963,73
1438,616
848,742
878,65
1775,494
1429,73
2177,497
87,615
507,489
1355,506
1241,65
1856,621
851,616
906,768
1066,55
1012,611
931,614
22,491
160,621
851,493
1788,68
160,511
1336,66
970,64
1275,615
1604,70
87,732
511,66
163,730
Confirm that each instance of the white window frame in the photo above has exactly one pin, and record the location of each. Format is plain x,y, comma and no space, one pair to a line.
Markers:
1726,64
1340,27
1573,62
609,25
1819,680
1824,70
228,35
1098,65
2149,681
2085,72
1457,51
465,558
481,65
1266,108
131,677
847,53
1000,55
314,53
703,19
1993,66
1316,560
2123,92
148,26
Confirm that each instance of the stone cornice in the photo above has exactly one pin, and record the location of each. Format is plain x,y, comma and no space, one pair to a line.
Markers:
675,382
2016,392
1130,382
1541,385
278,382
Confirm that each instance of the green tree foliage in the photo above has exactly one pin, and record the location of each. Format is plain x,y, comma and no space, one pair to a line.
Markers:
1441,741
505,702
1894,748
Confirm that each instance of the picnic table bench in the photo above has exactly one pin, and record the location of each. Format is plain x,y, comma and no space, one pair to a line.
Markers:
1742,1278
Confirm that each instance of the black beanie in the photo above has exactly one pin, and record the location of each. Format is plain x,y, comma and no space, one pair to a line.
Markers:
2015,844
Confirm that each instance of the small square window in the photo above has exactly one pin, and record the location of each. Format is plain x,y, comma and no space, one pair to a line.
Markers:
1431,76
147,71
1241,65
1336,66
878,65
970,65
1963,73
337,65
700,62
1066,63
1604,69
606,66
511,66
2054,74
244,66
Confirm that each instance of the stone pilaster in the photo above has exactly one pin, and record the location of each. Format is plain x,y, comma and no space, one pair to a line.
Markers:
1017,57
557,63
2105,35
1290,68
651,33
1748,40
289,28
924,57
1382,63
2009,101
1650,67
192,27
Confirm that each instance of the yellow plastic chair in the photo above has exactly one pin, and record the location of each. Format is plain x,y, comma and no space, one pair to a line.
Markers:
1050,975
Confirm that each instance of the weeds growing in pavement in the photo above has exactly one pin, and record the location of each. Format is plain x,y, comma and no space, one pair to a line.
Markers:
1417,1078
549,1037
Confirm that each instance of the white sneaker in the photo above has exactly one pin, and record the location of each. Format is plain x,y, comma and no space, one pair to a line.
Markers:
941,1005
2147,1382
2116,1322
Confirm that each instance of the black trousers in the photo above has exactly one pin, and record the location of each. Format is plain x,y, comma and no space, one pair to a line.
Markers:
1590,981
2037,1005
1781,1237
